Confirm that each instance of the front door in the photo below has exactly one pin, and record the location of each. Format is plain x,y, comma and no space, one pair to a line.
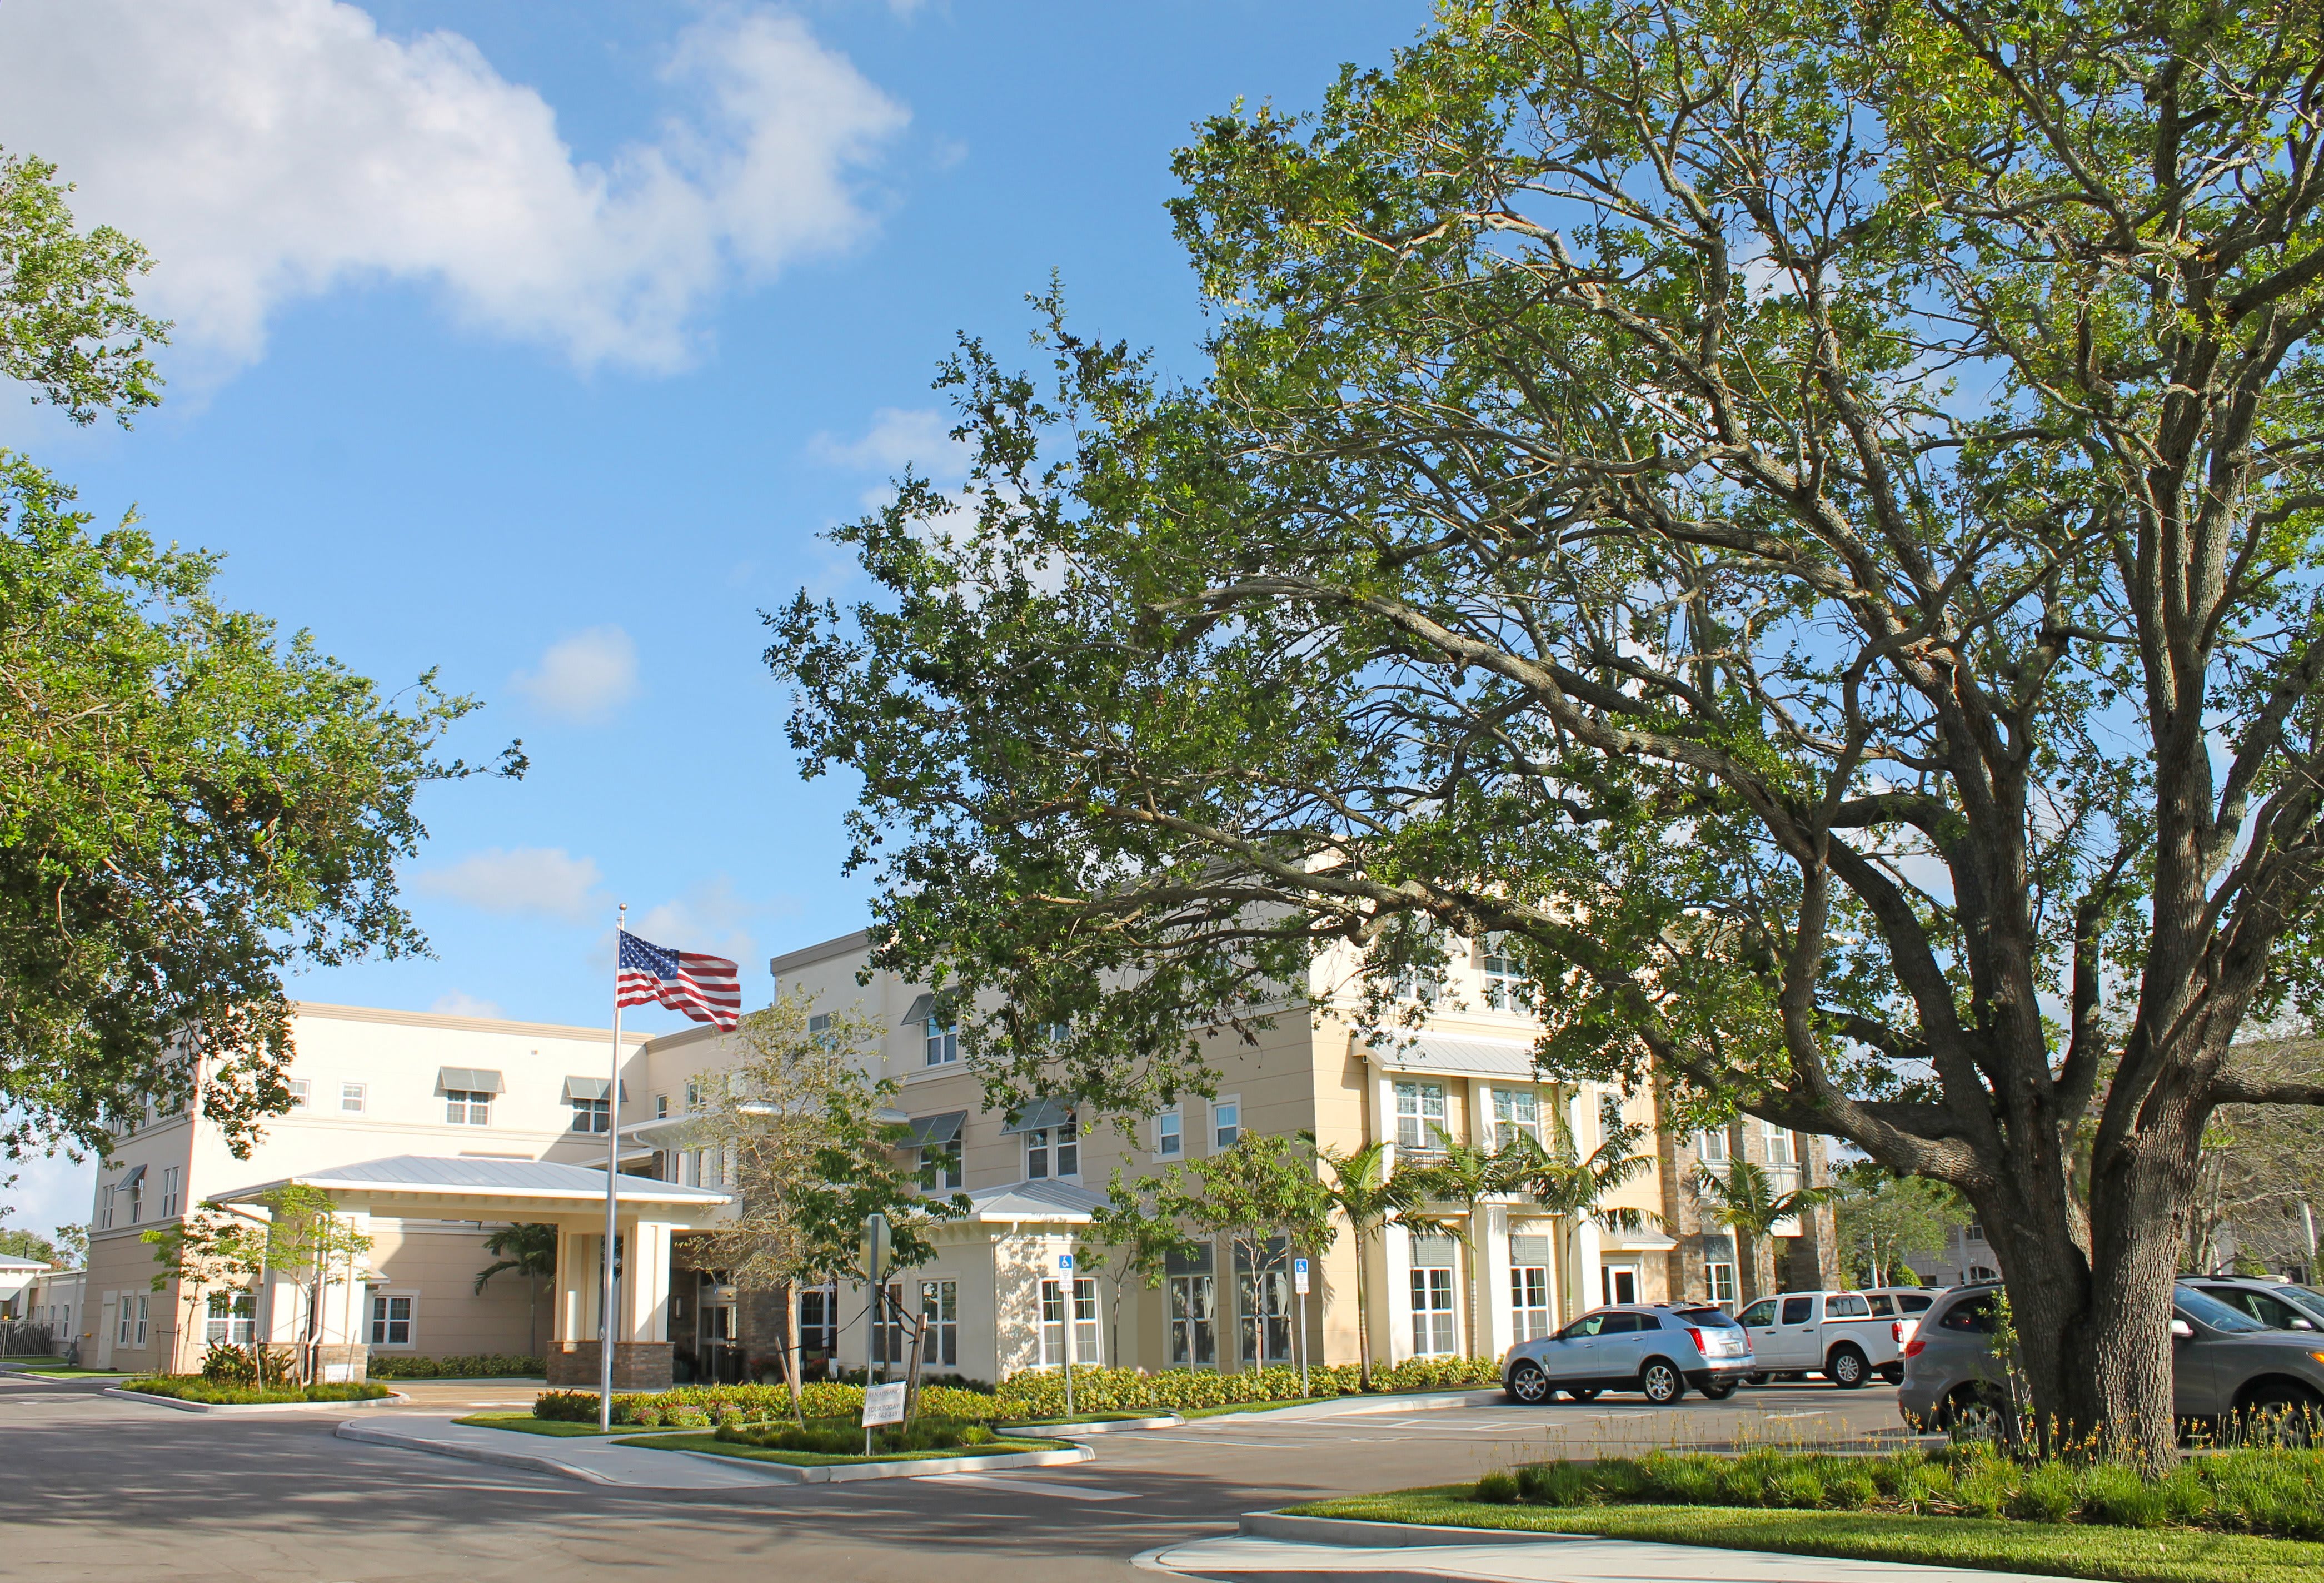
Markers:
106,1317
1620,1283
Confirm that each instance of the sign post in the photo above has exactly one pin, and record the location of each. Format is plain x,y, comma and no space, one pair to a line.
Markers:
1066,1272
1299,1287
875,1254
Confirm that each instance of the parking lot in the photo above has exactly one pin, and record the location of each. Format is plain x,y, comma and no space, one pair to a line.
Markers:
93,1486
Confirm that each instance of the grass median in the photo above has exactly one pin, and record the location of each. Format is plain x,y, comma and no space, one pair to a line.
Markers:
2124,1555
743,1452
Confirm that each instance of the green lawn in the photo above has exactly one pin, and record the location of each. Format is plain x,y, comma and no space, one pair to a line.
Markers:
700,1441
62,1370
2079,1549
524,1424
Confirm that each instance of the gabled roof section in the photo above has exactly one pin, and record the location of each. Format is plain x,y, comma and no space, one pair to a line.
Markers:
467,1176
1459,1058
1034,1200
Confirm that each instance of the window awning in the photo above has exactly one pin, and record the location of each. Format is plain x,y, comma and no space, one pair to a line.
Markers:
1041,1114
924,1007
468,1080
135,1173
929,1131
591,1088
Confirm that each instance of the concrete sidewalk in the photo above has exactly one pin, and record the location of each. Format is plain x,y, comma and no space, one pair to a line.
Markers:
587,1459
1544,1559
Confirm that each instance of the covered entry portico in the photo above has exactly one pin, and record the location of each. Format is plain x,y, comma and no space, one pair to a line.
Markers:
572,1198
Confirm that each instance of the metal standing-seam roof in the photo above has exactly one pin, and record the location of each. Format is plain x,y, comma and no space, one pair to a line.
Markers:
467,1175
1034,1200
1436,1052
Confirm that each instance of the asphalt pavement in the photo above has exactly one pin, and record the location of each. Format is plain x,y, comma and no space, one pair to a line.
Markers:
93,1486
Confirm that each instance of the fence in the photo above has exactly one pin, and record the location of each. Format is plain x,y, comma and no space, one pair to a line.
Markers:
26,1338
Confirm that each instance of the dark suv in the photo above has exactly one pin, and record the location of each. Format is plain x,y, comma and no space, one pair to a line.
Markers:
2230,1372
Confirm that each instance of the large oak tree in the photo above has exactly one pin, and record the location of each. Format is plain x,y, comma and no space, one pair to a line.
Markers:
1800,515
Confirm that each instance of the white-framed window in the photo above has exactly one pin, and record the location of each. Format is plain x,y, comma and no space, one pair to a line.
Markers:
1053,1323
301,1090
943,1039
1226,1122
1516,1111
1529,1300
1263,1326
1504,980
1419,1114
1975,1230
351,1098
1170,1140
128,1319
819,1318
471,1107
105,1208
1432,1297
142,1320
1194,1310
391,1318
1054,1151
940,1324
1719,1281
593,1115
231,1316
661,1106
940,1166
1711,1145
1783,1145
889,1346
693,1095
136,1200
169,1180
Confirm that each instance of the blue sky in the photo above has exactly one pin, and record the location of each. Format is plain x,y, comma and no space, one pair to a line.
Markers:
538,344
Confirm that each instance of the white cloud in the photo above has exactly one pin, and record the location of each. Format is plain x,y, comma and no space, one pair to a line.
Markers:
268,150
461,1004
547,880
897,435
584,678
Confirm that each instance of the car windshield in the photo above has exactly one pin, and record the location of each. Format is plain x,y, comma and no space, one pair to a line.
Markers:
2212,1311
2307,1299
1709,1319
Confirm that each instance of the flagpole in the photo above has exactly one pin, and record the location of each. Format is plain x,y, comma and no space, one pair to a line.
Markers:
613,1164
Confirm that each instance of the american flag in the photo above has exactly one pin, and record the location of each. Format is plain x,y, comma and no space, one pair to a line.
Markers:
707,988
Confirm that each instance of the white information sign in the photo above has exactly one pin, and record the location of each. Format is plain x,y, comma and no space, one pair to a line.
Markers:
1299,1276
883,1403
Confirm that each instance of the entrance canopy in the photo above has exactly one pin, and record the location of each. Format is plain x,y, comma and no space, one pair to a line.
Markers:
468,1189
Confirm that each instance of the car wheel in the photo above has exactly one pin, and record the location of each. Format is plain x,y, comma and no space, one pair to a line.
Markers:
1719,1392
1584,1393
2279,1415
1845,1367
1973,1417
1661,1383
1756,1379
1893,1372
1528,1387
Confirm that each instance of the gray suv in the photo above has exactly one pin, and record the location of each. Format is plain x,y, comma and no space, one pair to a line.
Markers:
2231,1374
1657,1348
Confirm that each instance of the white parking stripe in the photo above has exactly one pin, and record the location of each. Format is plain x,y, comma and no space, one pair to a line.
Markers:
1071,1491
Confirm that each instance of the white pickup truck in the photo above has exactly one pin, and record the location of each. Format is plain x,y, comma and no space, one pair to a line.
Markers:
1834,1333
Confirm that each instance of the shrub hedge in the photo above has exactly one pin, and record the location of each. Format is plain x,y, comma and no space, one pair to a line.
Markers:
2279,1493
194,1388
1031,1395
479,1365
840,1437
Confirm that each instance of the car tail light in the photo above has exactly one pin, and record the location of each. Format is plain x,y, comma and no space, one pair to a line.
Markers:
1695,1336
1913,1348
1896,1331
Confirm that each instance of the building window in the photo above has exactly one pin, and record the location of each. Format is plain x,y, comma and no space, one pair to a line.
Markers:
391,1321
661,1106
351,1098
1226,1122
467,1107
940,1166
819,1319
104,1209
1529,1300
1976,1229
1503,978
1516,1111
170,1205
593,1115
693,1095
1194,1310
1719,1280
1264,1324
231,1316
940,1323
1054,1151
1620,1283
136,1197
128,1318
1432,1297
943,1040
1782,1147
1053,1323
299,1090
1169,1142
141,1320
1710,1144
887,1345
1420,1115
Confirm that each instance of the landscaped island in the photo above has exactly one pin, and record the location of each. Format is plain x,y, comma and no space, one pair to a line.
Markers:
211,1393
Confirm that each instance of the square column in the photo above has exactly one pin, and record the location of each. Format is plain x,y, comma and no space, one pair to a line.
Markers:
1496,1325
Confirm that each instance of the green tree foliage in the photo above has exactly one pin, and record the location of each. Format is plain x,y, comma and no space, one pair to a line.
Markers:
1126,1242
1265,1196
1799,517
69,326
306,1241
20,1243
1744,1199
1882,1220
190,802
529,1251
213,1249
1364,1193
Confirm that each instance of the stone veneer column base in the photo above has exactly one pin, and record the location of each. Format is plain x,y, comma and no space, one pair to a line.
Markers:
638,1366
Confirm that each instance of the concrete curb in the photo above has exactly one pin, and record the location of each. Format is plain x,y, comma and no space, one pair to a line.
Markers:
1350,1406
1067,1431
390,1400
1358,1533
926,1468
372,1435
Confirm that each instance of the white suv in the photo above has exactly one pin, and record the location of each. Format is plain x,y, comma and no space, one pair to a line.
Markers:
1835,1334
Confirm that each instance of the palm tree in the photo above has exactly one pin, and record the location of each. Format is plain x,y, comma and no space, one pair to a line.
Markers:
1556,1178
1466,1175
1361,1189
1746,1202
528,1250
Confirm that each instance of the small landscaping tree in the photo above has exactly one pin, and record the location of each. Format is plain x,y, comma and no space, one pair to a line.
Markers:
1126,1242
1362,1192
210,1250
1466,1175
309,1242
529,1250
1262,1192
1746,1202
1881,1217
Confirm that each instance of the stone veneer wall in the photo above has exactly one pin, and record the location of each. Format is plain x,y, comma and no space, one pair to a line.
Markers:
638,1366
